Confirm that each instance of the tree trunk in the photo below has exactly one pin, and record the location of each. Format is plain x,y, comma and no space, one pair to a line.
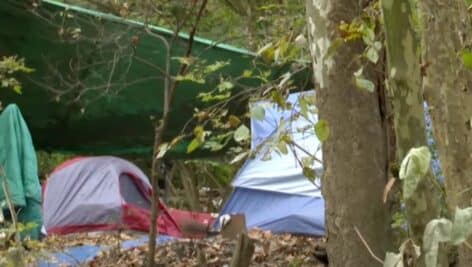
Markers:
153,231
355,154
161,127
448,89
405,89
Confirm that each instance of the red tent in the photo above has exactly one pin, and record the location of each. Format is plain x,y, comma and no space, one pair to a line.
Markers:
106,193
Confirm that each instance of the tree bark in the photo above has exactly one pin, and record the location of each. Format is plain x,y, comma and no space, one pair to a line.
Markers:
355,154
405,90
448,89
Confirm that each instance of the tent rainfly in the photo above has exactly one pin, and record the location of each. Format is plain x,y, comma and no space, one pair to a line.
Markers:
272,191
101,56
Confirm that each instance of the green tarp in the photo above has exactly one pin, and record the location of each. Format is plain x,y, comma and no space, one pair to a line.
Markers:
96,58
18,159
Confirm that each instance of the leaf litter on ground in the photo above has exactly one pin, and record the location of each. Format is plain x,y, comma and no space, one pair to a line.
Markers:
270,250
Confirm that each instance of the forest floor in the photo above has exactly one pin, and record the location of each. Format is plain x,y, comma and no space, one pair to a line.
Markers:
270,250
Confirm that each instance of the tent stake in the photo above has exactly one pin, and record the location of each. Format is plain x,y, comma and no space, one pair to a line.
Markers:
243,252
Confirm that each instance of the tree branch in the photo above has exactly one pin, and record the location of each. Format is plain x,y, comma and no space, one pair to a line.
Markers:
11,206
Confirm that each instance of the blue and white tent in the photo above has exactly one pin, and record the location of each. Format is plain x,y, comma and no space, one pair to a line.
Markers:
270,188
272,191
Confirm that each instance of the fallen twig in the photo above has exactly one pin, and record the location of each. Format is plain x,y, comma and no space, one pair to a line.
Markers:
367,246
388,188
468,245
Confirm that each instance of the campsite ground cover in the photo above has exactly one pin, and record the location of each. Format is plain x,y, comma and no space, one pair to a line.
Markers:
270,250
57,243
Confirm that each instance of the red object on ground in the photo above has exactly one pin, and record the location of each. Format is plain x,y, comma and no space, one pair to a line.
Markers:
199,221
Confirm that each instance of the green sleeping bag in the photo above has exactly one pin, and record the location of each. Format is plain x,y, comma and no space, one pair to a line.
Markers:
18,159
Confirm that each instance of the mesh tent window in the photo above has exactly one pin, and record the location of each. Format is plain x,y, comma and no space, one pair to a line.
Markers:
131,192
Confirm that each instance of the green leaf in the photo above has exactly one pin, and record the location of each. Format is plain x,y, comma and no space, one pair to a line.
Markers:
309,173
215,66
190,77
408,248
467,59
264,48
393,260
365,84
211,96
199,133
258,112
213,145
194,144
278,98
225,85
322,130
368,34
282,146
462,227
307,161
413,169
247,73
267,52
300,41
17,89
372,55
266,74
241,134
287,138
5,83
438,230
184,60
304,107
443,230
377,45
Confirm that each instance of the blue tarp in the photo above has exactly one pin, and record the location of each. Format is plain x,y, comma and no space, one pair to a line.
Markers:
79,255
278,212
